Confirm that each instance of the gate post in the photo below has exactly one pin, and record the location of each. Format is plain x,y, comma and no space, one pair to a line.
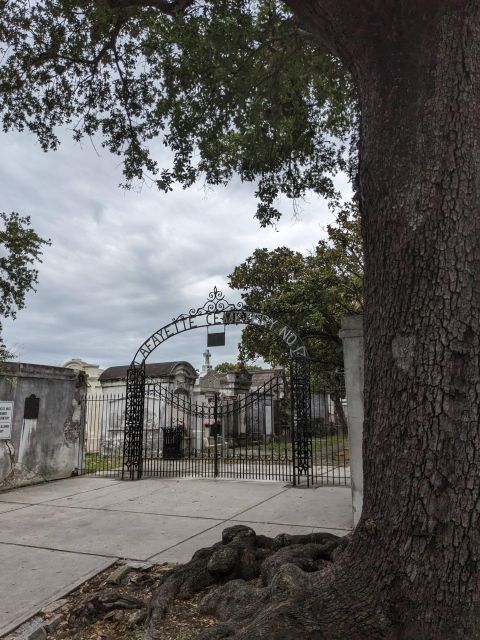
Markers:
301,410
133,438
353,356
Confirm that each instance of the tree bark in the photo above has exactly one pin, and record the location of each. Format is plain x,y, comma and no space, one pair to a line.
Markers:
415,553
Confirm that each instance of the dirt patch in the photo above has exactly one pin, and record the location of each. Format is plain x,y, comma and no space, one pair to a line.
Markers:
102,609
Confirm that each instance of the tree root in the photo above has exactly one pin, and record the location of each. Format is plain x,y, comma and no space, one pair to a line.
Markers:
253,573
97,604
294,605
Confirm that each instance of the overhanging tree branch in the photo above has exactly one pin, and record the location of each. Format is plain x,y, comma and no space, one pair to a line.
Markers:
323,19
110,43
170,8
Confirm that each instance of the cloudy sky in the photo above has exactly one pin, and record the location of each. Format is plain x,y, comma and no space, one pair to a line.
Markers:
123,263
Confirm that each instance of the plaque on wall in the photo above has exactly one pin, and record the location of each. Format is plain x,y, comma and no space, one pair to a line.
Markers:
32,405
6,413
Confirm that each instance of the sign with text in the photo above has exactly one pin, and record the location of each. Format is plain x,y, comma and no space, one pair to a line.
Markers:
211,319
6,413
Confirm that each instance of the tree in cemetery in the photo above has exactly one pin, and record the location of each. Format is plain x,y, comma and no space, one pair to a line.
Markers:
233,367
310,293
265,90
20,248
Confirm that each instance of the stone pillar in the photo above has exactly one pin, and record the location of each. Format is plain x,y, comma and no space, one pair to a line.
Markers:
351,334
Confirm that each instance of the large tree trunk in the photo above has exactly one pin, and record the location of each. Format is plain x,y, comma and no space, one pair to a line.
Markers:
417,546
419,189
411,570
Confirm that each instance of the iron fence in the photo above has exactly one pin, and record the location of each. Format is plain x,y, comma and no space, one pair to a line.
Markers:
249,436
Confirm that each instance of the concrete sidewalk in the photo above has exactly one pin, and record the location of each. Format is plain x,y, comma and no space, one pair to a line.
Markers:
55,536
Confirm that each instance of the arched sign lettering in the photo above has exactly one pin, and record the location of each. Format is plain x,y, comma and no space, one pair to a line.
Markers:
216,312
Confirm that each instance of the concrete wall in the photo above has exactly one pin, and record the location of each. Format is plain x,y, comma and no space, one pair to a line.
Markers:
45,448
353,356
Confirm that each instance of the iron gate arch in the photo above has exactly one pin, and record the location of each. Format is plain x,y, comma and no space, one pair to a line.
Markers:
217,311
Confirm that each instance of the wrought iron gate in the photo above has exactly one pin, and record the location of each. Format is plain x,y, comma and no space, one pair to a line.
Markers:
267,434
245,437
251,436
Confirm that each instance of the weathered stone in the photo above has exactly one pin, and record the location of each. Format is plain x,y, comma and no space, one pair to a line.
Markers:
137,618
55,606
34,629
118,574
7,461
52,623
139,566
37,634
165,566
115,616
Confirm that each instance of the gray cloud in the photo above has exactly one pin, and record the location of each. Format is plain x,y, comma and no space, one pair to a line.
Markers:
123,263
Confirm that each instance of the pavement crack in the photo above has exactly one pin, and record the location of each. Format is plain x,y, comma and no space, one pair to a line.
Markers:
78,553
220,523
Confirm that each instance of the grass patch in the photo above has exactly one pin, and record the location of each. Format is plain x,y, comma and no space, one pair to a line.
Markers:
333,448
101,462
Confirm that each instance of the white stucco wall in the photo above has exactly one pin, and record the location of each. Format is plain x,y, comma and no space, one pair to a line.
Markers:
353,354
45,447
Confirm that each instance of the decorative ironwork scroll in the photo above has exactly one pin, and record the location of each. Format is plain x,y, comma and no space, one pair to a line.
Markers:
216,303
133,442
301,415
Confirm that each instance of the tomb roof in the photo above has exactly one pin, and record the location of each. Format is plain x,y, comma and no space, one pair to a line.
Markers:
152,370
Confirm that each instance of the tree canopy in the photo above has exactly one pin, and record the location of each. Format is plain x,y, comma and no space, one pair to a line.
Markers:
232,367
20,248
230,87
309,293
